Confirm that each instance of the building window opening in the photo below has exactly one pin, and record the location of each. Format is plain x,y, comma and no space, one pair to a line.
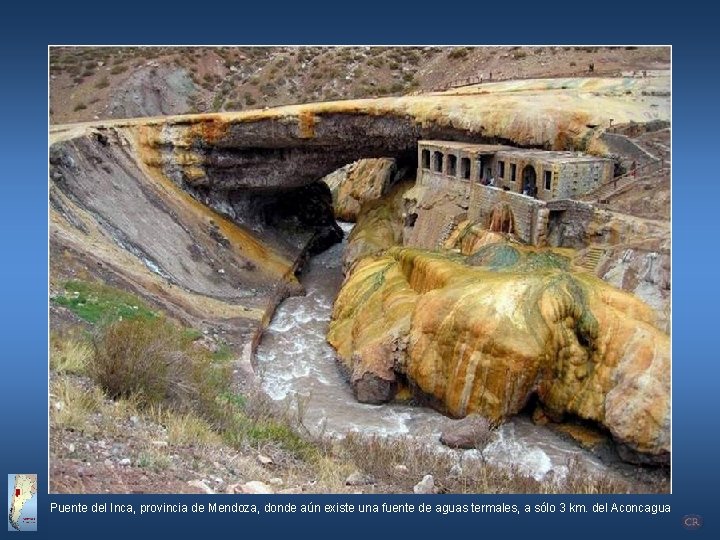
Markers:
513,172
438,161
426,159
465,168
452,165
501,169
548,180
528,184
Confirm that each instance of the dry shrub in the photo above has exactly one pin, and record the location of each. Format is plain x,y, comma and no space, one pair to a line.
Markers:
157,363
380,457
69,353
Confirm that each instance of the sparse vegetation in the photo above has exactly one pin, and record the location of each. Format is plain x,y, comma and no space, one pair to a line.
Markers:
70,353
73,404
284,75
96,302
153,370
457,53
156,365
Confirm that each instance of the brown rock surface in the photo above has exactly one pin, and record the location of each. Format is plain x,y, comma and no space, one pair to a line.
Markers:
117,220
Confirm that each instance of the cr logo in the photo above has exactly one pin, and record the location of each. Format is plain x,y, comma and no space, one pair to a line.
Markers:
692,521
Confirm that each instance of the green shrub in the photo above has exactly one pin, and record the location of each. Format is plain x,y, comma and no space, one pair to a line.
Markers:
80,106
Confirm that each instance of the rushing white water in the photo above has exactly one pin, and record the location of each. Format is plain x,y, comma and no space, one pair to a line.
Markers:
297,366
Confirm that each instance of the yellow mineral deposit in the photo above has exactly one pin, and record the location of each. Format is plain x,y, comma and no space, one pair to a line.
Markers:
483,341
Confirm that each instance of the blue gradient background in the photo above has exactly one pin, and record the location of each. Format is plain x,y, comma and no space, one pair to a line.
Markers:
28,29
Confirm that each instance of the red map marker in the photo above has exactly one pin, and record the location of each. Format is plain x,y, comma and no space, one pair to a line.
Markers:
17,492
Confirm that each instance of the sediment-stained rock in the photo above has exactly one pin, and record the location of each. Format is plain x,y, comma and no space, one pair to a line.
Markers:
364,181
116,219
379,226
484,339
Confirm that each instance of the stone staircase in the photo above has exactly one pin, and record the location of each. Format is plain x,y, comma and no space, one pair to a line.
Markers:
445,232
591,259
645,172
627,148
650,152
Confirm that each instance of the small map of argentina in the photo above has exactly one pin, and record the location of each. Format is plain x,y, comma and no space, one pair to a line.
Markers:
22,502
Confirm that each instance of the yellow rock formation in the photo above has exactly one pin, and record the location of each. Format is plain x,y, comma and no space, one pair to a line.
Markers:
483,339
366,180
379,226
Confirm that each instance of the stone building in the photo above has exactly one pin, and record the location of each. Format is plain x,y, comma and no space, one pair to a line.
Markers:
533,190
544,175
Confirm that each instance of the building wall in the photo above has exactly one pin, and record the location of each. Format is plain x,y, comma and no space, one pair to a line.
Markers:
478,201
568,179
459,155
520,163
529,214
576,179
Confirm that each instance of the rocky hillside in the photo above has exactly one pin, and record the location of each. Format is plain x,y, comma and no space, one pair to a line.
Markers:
89,83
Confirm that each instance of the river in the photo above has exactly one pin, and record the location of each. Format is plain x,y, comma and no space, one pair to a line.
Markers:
297,366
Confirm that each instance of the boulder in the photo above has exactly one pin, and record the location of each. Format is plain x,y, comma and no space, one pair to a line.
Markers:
255,487
426,486
359,479
363,181
473,431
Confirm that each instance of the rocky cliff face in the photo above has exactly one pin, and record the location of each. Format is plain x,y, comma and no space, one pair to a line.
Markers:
360,182
484,334
120,219
379,226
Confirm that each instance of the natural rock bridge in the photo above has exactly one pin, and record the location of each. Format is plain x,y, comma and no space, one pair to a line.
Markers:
296,145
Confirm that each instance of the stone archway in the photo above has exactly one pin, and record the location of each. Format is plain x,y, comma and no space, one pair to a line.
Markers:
529,181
